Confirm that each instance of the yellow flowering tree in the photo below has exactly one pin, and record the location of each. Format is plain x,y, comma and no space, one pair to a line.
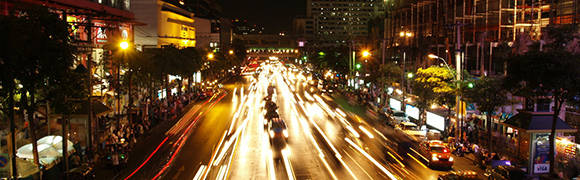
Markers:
432,84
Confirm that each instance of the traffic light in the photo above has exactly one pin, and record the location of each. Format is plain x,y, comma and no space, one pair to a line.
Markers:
321,53
410,75
358,66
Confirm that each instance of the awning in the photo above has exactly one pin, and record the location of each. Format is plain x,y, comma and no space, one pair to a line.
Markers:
537,123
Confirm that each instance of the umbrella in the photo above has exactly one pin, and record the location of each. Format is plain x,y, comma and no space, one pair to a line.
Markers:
56,142
44,151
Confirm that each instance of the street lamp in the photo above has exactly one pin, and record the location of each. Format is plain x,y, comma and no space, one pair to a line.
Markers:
433,56
210,56
124,45
366,54
231,52
406,35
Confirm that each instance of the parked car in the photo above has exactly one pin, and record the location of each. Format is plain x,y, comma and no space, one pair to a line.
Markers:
411,130
398,117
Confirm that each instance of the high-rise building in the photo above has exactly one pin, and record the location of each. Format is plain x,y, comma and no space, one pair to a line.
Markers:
340,21
242,27
482,26
303,27
166,23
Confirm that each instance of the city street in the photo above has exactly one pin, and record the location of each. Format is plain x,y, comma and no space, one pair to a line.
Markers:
224,137
315,89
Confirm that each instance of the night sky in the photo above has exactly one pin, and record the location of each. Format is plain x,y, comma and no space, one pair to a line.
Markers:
275,15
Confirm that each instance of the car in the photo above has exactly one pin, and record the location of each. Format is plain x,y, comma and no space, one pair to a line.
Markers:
505,172
278,132
399,116
411,130
437,153
459,175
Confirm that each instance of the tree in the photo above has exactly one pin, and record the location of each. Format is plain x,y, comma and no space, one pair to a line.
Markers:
488,94
388,73
549,69
429,83
540,74
39,63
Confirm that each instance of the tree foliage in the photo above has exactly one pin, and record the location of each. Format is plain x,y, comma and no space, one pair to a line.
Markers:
36,52
550,70
430,83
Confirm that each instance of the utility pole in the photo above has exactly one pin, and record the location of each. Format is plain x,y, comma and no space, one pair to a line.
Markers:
90,69
458,104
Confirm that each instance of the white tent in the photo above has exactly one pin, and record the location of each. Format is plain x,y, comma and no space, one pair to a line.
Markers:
49,152
56,142
44,151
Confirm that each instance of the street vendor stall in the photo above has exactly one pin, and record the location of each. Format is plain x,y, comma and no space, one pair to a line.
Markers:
531,131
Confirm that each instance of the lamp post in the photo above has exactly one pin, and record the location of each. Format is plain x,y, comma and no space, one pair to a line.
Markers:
406,35
123,45
456,78
433,56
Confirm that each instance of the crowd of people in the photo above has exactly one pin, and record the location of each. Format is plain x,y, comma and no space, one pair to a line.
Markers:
121,133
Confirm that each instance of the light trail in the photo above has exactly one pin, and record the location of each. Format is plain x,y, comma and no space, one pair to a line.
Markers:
288,166
379,165
206,171
419,154
199,172
367,132
420,163
400,163
353,131
221,173
357,164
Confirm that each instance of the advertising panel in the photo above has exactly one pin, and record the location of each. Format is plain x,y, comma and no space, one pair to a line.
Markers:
395,104
541,154
412,111
438,122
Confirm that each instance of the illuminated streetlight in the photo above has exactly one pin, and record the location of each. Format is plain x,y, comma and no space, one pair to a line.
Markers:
231,52
406,34
124,45
433,56
210,55
366,53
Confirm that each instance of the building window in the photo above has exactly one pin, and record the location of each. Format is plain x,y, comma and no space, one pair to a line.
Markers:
543,105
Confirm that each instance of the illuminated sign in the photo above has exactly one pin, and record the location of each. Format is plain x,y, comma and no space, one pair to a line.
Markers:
412,111
436,121
395,104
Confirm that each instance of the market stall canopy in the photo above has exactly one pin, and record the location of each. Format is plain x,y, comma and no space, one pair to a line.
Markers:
44,151
537,122
56,142
48,147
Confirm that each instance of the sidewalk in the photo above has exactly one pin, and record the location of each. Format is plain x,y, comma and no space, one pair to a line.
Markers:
141,150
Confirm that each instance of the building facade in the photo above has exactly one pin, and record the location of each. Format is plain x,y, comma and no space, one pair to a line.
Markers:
476,27
166,23
207,33
336,22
